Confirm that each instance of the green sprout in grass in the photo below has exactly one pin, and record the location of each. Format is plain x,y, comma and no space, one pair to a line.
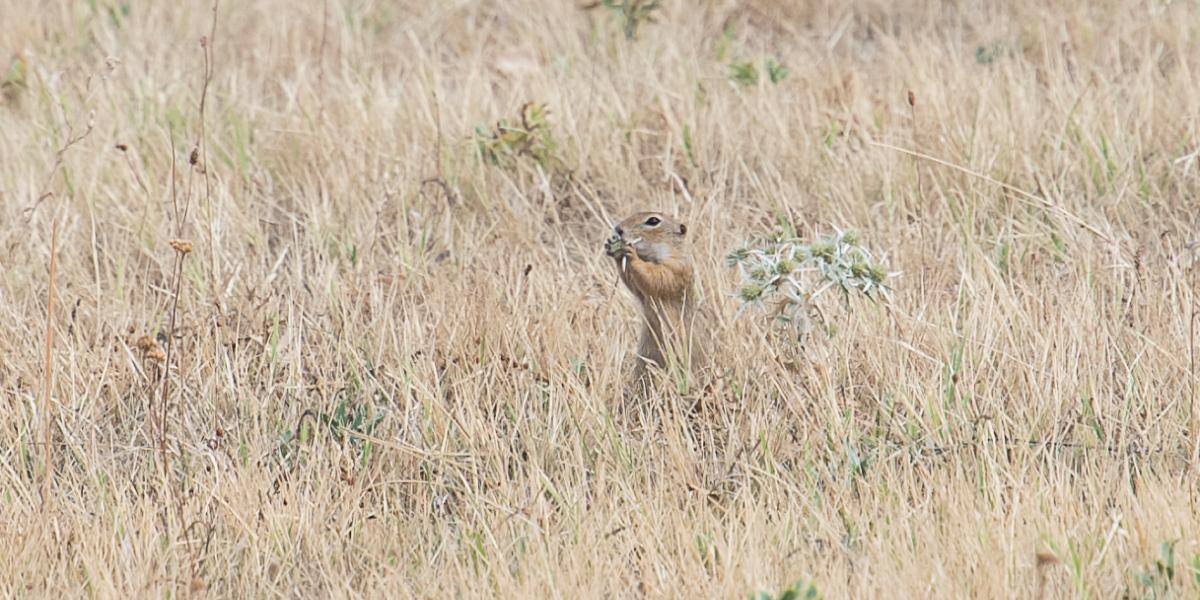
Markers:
350,422
744,73
747,73
1156,580
529,137
801,590
785,274
633,13
776,72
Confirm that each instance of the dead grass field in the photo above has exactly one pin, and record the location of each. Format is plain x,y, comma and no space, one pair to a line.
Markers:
1021,419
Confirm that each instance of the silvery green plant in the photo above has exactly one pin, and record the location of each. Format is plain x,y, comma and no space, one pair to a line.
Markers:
784,275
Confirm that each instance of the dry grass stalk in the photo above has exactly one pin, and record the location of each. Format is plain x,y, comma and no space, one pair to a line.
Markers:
48,369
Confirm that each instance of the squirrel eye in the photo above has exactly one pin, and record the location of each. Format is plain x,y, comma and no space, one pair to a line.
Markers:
653,221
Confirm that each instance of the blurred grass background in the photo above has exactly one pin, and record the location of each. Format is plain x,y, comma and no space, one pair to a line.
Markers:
398,355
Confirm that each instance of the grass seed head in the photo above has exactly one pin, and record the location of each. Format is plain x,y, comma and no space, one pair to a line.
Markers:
182,246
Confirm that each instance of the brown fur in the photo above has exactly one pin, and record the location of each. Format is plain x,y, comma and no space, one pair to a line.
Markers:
656,267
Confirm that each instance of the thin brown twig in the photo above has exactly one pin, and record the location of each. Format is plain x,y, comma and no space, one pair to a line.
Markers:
1192,366
180,220
164,400
182,248
208,44
912,107
47,415
48,368
59,156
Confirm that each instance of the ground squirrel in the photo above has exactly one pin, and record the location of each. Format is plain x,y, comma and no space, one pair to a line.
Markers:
655,265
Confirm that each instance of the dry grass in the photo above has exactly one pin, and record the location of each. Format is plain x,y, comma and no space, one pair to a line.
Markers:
1022,416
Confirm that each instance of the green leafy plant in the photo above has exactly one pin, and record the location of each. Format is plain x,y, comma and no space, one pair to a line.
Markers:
776,72
688,146
801,590
986,55
1155,581
725,42
784,274
529,137
633,13
747,73
744,73
348,423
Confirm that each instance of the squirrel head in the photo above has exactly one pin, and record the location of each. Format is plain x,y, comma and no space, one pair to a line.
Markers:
656,236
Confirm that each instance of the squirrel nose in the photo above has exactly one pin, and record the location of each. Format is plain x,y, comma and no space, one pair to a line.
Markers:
620,232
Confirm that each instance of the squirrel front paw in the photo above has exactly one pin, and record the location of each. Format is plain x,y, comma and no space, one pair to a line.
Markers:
616,247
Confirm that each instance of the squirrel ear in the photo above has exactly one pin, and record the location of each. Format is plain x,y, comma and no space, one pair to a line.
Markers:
682,229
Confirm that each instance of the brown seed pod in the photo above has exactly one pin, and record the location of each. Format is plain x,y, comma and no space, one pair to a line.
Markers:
182,246
146,343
